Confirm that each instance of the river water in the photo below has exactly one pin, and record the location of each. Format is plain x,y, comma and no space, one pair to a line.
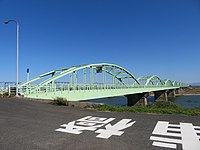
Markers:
189,101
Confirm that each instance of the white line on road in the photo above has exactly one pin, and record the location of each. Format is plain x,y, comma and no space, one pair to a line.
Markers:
162,144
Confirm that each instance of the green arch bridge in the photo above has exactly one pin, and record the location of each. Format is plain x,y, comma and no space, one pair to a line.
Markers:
100,80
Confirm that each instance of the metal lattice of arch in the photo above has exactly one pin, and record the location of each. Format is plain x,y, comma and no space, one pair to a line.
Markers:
168,82
118,75
175,83
150,81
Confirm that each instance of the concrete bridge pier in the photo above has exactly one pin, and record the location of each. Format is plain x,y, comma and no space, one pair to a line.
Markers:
171,93
160,95
137,98
179,91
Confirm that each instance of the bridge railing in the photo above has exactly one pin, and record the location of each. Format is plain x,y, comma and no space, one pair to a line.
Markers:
69,87
77,87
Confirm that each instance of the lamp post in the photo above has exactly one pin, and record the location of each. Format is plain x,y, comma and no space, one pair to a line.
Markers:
17,51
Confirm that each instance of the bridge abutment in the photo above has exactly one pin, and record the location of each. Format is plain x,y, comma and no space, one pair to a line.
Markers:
140,98
160,96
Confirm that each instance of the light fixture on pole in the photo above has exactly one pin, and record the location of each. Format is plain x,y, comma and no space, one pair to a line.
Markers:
28,74
17,51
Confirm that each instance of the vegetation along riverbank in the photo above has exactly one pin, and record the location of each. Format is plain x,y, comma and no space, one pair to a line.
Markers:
154,108
160,107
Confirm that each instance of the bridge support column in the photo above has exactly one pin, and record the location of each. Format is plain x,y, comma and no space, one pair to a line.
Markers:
171,93
160,95
143,101
179,91
135,98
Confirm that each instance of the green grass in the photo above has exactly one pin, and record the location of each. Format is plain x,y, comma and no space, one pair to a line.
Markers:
60,101
6,94
155,108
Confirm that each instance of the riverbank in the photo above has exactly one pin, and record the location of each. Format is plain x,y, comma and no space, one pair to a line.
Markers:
155,108
187,94
192,90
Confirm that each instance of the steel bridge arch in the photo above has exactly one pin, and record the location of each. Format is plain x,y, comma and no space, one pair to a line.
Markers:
66,71
168,82
149,80
175,83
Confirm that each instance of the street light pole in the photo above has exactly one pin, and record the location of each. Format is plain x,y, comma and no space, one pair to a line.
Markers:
17,52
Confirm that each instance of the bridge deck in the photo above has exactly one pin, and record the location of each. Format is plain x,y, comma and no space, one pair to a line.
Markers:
79,93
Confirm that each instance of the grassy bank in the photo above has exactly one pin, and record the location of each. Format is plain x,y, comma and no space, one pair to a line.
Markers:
155,108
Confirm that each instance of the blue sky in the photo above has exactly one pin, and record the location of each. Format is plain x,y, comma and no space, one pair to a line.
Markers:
147,37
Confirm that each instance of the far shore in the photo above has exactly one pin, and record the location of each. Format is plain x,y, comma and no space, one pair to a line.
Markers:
187,94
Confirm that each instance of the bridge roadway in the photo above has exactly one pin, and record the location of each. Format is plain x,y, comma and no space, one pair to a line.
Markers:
31,125
81,93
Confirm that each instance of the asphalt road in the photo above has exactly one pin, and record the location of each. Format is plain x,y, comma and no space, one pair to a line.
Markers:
30,125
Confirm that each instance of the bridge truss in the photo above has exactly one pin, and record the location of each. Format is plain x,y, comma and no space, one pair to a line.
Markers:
91,77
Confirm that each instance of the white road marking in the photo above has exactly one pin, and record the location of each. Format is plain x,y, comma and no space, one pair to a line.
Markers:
93,123
189,137
162,139
174,125
173,129
167,145
115,129
197,127
162,128
96,119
